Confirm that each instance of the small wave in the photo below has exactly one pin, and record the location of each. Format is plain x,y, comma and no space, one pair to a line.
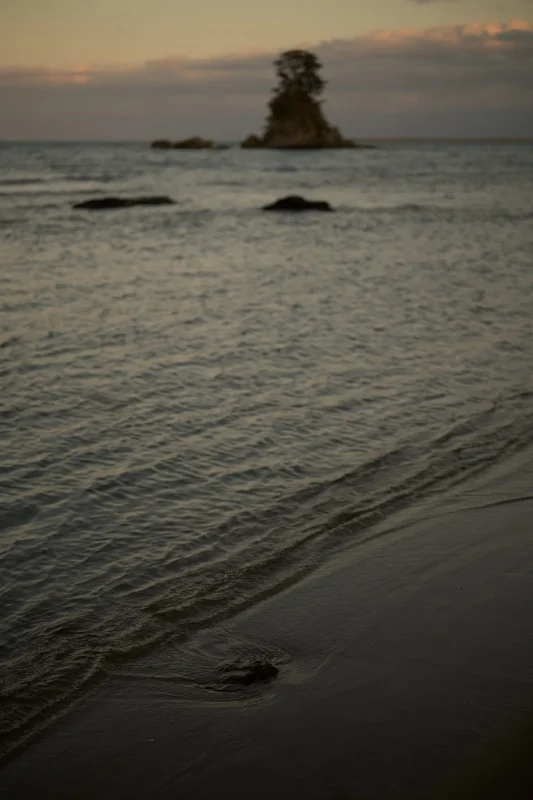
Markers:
406,208
17,514
514,216
22,181
30,198
472,212
12,221
106,178
415,207
250,557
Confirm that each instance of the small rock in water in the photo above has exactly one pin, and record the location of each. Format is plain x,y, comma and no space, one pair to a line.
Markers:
246,674
104,203
294,202
193,143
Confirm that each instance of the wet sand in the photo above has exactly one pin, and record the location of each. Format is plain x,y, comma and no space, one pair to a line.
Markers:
406,671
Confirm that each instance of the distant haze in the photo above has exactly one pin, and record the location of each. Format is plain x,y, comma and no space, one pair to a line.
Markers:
421,74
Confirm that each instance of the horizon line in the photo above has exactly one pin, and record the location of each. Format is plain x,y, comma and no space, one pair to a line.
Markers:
237,141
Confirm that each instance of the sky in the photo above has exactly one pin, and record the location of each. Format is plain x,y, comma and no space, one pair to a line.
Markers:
142,69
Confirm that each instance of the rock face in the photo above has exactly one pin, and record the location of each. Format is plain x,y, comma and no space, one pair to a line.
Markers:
104,203
252,141
193,143
297,122
294,202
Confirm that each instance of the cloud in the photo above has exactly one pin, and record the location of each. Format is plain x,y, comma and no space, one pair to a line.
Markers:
461,74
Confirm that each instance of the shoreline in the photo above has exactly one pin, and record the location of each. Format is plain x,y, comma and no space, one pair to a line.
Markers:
400,660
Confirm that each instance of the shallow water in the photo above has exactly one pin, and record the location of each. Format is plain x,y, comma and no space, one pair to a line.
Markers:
201,402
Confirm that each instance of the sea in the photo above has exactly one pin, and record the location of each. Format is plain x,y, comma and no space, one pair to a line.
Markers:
201,403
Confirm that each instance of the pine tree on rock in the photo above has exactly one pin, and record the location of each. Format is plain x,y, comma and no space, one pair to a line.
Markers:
298,72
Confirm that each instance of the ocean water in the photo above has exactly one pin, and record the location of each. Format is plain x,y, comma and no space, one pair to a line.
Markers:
201,402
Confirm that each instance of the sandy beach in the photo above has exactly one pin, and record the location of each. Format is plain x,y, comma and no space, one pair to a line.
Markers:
404,665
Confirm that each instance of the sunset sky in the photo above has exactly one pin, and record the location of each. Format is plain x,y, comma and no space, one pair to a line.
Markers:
137,69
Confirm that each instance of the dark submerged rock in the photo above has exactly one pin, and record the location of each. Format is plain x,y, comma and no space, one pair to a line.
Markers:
104,203
248,674
194,143
294,202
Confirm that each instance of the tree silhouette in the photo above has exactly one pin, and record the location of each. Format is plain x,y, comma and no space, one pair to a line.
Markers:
298,73
295,118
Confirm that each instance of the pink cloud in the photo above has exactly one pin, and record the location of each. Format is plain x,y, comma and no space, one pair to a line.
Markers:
476,38
444,69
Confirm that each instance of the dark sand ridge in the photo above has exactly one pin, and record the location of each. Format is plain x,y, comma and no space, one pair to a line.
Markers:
401,662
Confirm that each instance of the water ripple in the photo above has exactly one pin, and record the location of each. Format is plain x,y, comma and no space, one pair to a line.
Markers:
200,404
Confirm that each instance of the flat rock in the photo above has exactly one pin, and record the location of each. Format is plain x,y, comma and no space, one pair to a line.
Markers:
294,202
104,203
192,143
